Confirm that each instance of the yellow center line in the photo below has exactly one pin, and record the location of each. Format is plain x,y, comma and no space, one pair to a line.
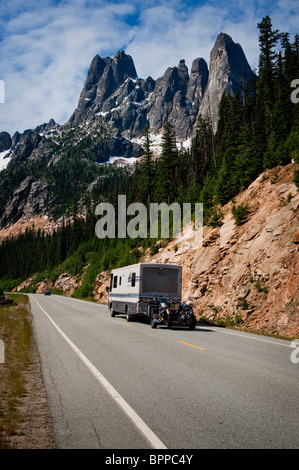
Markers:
193,345
92,311
128,324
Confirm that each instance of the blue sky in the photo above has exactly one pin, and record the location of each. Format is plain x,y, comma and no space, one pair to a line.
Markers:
46,46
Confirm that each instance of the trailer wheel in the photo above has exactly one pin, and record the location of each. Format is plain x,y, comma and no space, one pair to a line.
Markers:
128,316
153,323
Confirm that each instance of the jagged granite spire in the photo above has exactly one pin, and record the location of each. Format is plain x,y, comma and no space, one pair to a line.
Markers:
103,78
228,67
113,91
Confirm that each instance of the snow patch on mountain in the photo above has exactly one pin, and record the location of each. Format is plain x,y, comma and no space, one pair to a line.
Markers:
4,159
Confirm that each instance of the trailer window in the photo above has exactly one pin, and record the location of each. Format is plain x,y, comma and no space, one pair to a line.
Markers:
119,281
114,281
160,280
133,280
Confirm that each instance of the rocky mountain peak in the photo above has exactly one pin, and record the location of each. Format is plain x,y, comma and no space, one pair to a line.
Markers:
5,141
228,68
125,62
177,97
115,106
123,67
223,38
103,78
229,53
94,73
183,75
113,91
197,83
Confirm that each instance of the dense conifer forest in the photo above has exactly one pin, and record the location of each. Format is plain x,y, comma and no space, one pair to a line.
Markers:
258,129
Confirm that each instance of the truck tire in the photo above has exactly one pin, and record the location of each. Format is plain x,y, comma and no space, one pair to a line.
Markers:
112,312
128,316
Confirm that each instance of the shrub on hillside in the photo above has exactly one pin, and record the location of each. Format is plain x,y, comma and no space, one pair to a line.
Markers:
240,213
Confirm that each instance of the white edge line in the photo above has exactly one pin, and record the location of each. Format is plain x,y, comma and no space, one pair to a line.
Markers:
134,417
255,339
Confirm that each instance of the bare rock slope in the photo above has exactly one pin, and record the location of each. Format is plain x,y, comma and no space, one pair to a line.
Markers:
247,273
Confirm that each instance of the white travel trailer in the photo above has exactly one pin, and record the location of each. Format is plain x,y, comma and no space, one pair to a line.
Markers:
135,290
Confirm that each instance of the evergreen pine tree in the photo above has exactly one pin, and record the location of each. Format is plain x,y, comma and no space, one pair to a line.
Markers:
268,39
167,167
146,169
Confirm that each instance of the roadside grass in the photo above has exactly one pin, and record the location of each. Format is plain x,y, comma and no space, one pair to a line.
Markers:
16,333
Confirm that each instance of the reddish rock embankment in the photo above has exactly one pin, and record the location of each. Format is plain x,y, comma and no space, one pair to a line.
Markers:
247,273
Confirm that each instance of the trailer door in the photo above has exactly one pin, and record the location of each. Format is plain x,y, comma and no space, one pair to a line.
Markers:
160,279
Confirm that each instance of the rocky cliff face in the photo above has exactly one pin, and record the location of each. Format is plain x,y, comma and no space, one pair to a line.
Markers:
27,201
104,78
5,141
113,91
38,149
177,98
229,71
246,274
114,94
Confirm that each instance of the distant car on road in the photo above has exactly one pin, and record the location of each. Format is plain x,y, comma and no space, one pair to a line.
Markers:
47,292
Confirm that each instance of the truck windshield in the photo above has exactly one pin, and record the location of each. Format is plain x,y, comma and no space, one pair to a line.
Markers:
160,280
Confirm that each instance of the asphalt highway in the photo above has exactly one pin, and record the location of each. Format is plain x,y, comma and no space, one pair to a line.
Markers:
113,384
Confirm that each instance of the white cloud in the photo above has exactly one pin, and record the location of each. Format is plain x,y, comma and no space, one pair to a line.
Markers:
46,47
47,53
